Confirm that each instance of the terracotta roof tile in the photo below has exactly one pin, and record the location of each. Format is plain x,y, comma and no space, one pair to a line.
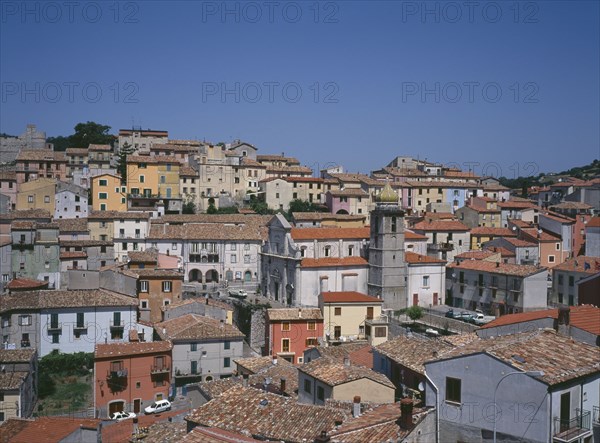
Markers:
413,352
294,314
330,233
440,225
193,326
409,235
349,297
328,262
560,358
111,350
12,380
349,192
202,434
71,224
495,232
333,372
415,259
27,214
16,355
261,413
475,255
150,255
588,265
67,255
318,216
497,268
51,429
258,364
63,299
41,155
26,283
594,222
359,352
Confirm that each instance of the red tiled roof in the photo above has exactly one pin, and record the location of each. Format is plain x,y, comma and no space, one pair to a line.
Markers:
409,235
497,268
349,297
333,261
25,283
441,225
496,232
584,317
118,349
593,223
503,251
330,233
513,204
476,255
414,258
579,264
51,429
520,243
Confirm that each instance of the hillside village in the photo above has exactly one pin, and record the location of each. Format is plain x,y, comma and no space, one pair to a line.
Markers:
267,301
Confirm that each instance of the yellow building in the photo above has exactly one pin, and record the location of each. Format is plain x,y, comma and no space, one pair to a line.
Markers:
108,194
153,176
346,312
37,194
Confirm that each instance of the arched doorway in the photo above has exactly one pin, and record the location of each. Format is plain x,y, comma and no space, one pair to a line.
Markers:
229,275
212,276
195,275
342,212
247,276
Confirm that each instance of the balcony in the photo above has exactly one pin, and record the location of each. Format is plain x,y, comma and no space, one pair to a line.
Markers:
573,429
25,344
440,247
159,369
54,327
120,373
116,325
80,327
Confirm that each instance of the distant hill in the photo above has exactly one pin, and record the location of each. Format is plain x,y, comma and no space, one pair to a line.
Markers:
582,172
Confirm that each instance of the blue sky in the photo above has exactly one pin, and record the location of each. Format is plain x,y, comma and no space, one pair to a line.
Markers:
504,86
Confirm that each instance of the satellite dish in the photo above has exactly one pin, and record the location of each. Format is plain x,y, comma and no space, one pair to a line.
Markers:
421,387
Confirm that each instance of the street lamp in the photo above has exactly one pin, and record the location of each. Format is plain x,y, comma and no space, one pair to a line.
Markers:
530,373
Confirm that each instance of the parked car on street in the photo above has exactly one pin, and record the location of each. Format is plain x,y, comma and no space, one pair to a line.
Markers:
120,416
479,319
466,317
158,406
450,313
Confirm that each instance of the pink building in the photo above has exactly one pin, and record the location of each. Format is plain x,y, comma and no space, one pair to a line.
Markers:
8,187
289,331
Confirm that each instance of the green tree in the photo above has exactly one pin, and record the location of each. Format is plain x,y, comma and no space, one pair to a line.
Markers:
212,209
90,133
189,207
60,143
298,205
124,151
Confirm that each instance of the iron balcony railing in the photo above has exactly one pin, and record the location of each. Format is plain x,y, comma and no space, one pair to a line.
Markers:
567,430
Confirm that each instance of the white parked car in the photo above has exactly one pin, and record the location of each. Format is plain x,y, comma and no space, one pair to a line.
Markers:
158,406
120,416
238,293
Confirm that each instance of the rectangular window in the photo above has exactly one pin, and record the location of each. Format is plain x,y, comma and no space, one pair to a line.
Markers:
307,386
311,341
80,319
193,367
320,393
233,258
55,338
246,259
285,326
380,331
142,179
560,279
30,199
144,304
550,259
102,195
227,345
144,285
24,320
193,347
173,246
453,389
103,182
285,345
425,281
312,325
166,286
227,362
571,280
337,311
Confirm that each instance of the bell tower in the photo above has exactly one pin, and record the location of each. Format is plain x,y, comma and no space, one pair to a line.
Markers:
387,268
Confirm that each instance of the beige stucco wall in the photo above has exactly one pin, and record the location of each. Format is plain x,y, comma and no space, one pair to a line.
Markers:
368,390
351,319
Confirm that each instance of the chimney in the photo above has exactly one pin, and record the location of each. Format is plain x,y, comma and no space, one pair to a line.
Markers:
564,321
322,438
245,380
299,312
356,406
274,359
406,413
282,385
346,361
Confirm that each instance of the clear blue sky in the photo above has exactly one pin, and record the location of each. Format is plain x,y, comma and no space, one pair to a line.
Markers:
364,70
